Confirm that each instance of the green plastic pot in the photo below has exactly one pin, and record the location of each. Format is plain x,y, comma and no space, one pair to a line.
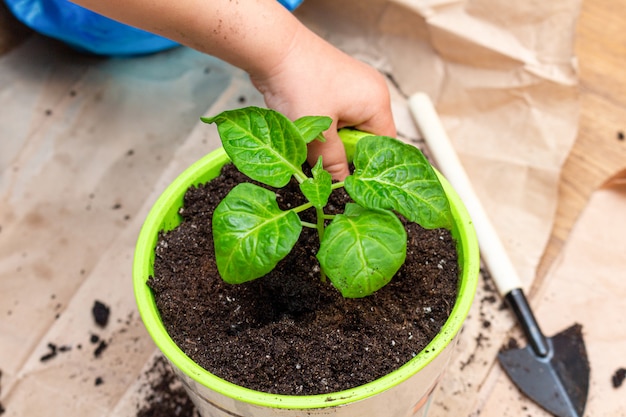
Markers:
404,392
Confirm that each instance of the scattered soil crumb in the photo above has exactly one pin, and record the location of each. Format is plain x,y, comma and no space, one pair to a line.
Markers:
488,284
489,299
618,377
2,410
166,396
480,339
512,344
100,313
101,347
52,352
98,381
469,360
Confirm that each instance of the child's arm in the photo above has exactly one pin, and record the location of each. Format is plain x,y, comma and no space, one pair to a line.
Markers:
297,72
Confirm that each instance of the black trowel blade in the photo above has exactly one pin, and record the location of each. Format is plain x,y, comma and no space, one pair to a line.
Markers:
558,382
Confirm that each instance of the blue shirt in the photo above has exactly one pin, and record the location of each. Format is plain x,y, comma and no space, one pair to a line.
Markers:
89,31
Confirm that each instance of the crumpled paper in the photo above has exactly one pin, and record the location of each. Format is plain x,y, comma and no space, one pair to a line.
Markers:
87,144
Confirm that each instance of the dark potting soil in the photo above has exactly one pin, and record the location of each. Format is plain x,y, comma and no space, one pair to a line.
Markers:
618,377
288,332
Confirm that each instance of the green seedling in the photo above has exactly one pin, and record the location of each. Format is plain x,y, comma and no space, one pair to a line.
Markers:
360,249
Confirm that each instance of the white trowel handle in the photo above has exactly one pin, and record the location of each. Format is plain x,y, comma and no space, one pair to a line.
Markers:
492,250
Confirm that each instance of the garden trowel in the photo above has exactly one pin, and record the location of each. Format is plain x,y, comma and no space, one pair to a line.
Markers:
552,371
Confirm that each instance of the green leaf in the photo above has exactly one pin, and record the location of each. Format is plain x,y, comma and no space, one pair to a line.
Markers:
251,234
362,250
318,189
390,174
262,143
312,127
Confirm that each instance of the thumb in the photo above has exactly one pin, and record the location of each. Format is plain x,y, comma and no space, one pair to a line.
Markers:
332,152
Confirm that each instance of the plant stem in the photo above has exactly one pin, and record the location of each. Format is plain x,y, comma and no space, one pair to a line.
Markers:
320,230
320,223
302,207
319,212
300,176
336,185
322,275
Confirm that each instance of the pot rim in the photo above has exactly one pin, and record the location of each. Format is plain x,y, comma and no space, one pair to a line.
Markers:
164,216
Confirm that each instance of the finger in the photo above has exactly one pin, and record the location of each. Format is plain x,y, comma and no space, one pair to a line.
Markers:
381,123
333,155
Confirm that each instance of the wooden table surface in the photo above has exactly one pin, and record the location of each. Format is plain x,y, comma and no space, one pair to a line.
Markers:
600,149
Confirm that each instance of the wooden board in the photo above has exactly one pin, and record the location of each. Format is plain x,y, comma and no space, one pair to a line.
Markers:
600,149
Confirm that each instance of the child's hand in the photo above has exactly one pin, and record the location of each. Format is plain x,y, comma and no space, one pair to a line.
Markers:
314,78
298,72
